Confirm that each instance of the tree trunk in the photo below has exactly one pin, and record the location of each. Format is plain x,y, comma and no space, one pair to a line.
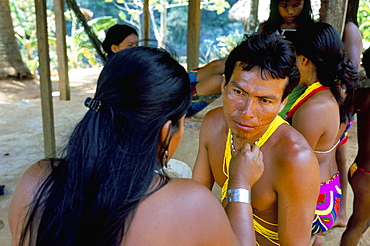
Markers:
254,16
11,64
336,14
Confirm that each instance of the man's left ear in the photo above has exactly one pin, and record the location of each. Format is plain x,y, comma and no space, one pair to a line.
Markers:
283,104
223,85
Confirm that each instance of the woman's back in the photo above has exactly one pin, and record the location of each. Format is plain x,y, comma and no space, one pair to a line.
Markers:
318,121
322,112
180,213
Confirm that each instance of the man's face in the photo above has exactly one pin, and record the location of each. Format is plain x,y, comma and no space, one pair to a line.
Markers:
251,103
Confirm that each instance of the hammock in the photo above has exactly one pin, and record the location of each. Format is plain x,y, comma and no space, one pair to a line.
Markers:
92,36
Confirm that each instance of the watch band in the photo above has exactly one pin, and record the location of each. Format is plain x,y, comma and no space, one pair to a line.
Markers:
239,195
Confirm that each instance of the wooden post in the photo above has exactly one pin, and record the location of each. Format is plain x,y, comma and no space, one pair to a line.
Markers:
335,14
45,82
163,24
60,29
193,41
146,22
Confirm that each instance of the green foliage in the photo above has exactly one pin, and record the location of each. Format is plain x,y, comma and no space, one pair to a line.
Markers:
24,21
227,43
211,50
80,51
364,21
176,14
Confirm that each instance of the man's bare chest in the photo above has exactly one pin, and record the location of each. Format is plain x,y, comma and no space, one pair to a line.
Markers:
263,194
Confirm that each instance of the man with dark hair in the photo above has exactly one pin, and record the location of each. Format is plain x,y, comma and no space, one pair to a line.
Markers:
259,74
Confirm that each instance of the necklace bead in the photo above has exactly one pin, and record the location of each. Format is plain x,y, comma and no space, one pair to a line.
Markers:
232,142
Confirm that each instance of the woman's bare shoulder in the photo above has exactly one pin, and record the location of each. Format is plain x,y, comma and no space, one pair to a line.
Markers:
194,213
186,191
37,173
31,180
24,193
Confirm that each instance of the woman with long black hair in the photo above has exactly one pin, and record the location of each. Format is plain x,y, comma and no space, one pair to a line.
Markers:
110,186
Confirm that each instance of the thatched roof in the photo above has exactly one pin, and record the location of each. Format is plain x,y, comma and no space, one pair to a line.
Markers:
240,11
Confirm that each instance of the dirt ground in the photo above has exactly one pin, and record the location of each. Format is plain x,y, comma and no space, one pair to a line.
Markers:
21,137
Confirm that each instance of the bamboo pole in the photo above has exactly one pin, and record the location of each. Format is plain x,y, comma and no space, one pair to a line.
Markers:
193,40
45,82
60,27
146,22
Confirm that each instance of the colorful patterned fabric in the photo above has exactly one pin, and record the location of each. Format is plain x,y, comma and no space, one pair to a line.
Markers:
310,91
193,75
328,205
293,96
344,138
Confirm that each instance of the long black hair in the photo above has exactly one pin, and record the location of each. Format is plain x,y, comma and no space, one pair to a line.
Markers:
275,19
322,44
110,161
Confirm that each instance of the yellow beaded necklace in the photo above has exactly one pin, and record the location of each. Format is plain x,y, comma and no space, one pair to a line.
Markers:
260,142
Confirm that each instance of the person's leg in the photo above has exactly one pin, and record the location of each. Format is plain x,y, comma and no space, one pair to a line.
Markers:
216,67
210,85
210,77
363,129
317,242
360,218
341,159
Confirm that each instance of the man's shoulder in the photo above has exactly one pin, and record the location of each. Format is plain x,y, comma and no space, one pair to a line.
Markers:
289,144
214,121
215,114
291,155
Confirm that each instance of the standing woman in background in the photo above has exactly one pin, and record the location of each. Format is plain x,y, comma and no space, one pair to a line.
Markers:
288,14
359,173
352,41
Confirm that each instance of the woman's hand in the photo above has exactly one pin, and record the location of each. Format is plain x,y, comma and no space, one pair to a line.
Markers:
246,167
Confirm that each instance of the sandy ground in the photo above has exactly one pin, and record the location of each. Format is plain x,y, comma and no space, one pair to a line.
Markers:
21,137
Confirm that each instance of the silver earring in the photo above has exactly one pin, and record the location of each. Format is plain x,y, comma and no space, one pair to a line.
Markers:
166,159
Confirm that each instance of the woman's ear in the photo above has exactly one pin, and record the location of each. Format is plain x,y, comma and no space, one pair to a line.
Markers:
114,48
164,131
303,60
